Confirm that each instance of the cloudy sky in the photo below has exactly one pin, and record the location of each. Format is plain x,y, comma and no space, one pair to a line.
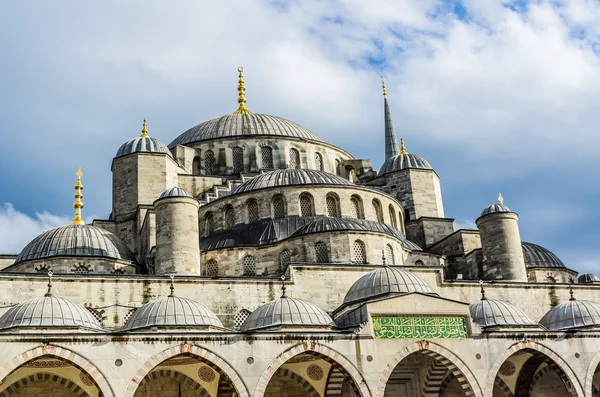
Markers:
500,96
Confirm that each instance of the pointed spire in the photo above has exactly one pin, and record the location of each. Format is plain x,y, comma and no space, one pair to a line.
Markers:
144,130
402,147
78,203
482,291
391,142
500,199
50,274
283,286
172,287
241,94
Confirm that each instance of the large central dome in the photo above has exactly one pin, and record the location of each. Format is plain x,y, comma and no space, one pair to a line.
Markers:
234,125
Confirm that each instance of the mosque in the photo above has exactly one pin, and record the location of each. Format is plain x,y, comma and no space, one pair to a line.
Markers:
249,258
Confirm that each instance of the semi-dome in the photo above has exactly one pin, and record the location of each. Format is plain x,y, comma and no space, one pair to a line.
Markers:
489,313
290,177
170,312
572,314
287,312
49,312
588,278
386,280
174,192
76,240
403,161
538,256
236,125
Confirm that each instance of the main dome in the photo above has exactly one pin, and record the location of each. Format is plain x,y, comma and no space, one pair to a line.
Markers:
234,125
290,177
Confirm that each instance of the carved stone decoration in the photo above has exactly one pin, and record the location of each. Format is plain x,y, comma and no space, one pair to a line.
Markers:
315,372
507,369
206,374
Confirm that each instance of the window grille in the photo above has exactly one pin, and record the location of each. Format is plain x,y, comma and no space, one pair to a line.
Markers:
209,162
240,317
356,208
306,205
294,158
238,159
209,223
229,217
359,254
278,207
212,268
128,315
321,254
81,270
332,207
267,157
377,209
388,253
393,216
252,210
249,265
284,259
96,313
319,161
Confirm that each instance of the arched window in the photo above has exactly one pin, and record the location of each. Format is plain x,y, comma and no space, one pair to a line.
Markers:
393,216
550,279
249,263
229,217
238,159
266,154
81,269
332,204
240,317
388,253
196,165
252,206
212,268
419,262
285,257
294,158
321,254
338,167
377,210
319,161
278,207
209,223
209,163
359,254
406,215
356,207
306,205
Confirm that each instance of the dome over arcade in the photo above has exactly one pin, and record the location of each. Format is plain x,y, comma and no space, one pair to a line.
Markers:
290,177
175,192
537,256
588,278
403,161
143,144
386,280
490,312
572,314
287,312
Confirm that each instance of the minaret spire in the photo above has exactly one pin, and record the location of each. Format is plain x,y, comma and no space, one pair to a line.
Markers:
78,220
391,142
241,94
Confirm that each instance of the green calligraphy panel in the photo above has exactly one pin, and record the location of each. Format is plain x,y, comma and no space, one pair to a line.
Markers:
419,327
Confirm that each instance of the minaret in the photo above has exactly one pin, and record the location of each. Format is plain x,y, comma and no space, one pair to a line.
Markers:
391,142
241,94
78,220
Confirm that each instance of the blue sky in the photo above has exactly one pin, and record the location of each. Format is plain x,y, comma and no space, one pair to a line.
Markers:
498,96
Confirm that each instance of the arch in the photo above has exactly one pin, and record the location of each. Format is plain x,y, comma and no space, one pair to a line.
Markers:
436,375
211,268
51,350
332,205
74,387
284,372
319,161
167,373
591,371
359,252
252,210
503,386
294,155
307,204
378,211
229,216
209,163
338,167
532,346
237,155
196,165
392,212
200,352
285,257
356,206
453,363
279,206
209,223
388,254
266,157
327,353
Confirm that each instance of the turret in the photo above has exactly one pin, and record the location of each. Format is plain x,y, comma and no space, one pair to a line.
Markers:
177,238
501,243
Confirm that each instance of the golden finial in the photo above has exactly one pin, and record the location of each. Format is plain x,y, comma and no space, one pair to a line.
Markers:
78,203
241,96
402,147
500,199
383,86
145,130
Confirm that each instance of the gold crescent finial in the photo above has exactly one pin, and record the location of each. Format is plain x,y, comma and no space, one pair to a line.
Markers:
145,130
383,86
78,220
500,199
242,109
402,147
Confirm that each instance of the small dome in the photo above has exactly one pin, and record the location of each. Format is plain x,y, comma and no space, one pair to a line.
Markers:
143,145
76,240
175,192
404,161
572,314
287,312
238,125
588,278
172,311
290,177
386,280
489,312
49,312
538,256
494,208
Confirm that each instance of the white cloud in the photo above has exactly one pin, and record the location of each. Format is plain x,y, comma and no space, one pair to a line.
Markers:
464,224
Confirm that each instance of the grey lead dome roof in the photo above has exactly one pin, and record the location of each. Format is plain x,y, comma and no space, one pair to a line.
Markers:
143,144
588,278
489,312
538,256
235,125
172,311
403,161
572,314
289,177
385,280
48,312
287,312
495,208
76,240
175,192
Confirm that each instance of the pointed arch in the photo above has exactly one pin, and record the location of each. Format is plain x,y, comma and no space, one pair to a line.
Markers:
181,378
591,371
27,380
